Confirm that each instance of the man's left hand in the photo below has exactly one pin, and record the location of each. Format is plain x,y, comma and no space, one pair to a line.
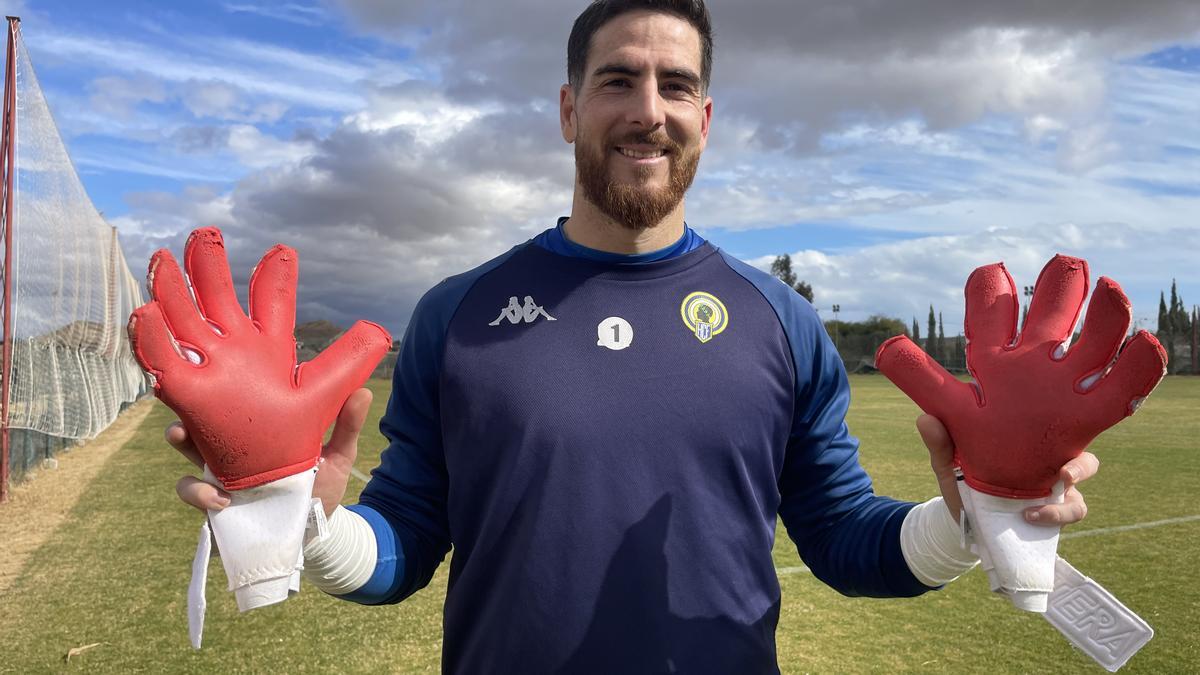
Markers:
941,458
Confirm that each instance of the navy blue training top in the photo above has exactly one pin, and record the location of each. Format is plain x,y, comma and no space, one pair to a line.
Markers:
606,445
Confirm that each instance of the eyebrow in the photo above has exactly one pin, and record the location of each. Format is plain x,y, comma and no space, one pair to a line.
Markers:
684,74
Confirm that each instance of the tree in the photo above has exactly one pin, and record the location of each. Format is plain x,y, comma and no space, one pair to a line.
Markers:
916,332
781,268
941,341
1180,321
804,289
1195,340
931,334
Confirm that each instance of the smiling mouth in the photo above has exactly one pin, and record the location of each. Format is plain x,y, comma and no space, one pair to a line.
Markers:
639,154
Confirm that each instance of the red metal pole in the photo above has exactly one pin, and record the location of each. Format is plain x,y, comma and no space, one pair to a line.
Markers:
7,152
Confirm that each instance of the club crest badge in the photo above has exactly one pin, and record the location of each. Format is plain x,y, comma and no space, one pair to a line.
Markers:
704,315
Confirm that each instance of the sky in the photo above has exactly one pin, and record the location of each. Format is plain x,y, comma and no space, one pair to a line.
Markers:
889,148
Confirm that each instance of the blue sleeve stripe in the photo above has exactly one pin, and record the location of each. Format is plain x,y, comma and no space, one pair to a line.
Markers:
387,578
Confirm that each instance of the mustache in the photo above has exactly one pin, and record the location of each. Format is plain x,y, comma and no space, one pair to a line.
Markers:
657,138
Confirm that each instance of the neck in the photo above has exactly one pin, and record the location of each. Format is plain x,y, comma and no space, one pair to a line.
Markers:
590,227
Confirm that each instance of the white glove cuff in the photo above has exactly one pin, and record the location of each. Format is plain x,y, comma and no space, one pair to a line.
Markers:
260,535
932,544
1017,555
343,560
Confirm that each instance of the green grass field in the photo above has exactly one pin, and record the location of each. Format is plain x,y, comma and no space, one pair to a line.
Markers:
116,573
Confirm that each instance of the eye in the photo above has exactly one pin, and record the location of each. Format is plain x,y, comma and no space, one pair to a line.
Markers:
620,82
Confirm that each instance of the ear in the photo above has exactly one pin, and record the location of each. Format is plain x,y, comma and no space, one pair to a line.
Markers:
566,112
706,122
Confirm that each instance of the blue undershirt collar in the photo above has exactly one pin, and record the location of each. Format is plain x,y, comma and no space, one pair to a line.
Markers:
555,240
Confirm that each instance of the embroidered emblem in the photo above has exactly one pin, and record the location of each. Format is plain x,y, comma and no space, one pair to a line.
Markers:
704,315
516,313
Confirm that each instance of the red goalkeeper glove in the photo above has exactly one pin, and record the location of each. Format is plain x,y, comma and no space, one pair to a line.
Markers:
253,413
1035,404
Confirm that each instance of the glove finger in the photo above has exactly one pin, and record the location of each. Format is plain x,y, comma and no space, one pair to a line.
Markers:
1139,368
168,288
204,258
273,292
1057,301
924,380
152,344
991,307
345,364
1108,317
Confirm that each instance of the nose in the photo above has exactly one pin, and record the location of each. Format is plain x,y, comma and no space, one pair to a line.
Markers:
646,109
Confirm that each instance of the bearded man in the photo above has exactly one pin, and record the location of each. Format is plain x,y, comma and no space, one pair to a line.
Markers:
606,420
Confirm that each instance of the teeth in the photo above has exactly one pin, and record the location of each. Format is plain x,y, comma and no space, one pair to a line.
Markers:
640,155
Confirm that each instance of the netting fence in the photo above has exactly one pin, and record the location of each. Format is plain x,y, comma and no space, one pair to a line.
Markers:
71,292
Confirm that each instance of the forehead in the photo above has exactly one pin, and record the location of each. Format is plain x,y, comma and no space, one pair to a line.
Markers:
647,39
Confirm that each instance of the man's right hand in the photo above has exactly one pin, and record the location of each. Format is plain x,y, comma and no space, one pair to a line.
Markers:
333,473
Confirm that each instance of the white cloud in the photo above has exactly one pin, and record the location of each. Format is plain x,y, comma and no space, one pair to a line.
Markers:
257,150
117,96
901,279
223,101
305,15
976,131
172,65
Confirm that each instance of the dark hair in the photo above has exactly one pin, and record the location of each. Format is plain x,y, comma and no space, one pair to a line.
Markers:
601,12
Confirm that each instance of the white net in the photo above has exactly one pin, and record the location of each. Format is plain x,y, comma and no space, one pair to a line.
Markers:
72,292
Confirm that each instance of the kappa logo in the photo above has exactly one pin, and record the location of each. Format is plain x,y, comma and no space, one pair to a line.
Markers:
704,315
517,313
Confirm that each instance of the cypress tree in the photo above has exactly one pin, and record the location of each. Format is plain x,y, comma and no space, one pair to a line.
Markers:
941,341
1164,317
1195,340
916,332
931,335
1180,320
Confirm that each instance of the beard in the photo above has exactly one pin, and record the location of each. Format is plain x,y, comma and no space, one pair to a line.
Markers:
634,205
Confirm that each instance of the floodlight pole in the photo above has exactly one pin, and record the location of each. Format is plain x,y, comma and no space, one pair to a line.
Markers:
1028,300
7,153
836,331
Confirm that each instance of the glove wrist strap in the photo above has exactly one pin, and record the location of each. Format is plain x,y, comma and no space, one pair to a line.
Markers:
259,536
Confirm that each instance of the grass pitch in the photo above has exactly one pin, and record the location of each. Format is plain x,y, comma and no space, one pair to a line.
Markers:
114,573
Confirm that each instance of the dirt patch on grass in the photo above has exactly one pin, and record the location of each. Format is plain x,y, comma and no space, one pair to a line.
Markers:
39,505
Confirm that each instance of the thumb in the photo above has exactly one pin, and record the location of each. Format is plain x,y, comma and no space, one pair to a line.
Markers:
345,364
342,448
921,377
941,459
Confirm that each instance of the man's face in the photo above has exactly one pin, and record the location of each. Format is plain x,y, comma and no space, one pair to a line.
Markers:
640,119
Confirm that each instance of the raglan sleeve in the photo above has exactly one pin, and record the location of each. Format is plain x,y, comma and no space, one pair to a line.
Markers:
846,534
405,502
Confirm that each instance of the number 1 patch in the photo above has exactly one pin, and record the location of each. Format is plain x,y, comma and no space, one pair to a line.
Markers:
614,333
